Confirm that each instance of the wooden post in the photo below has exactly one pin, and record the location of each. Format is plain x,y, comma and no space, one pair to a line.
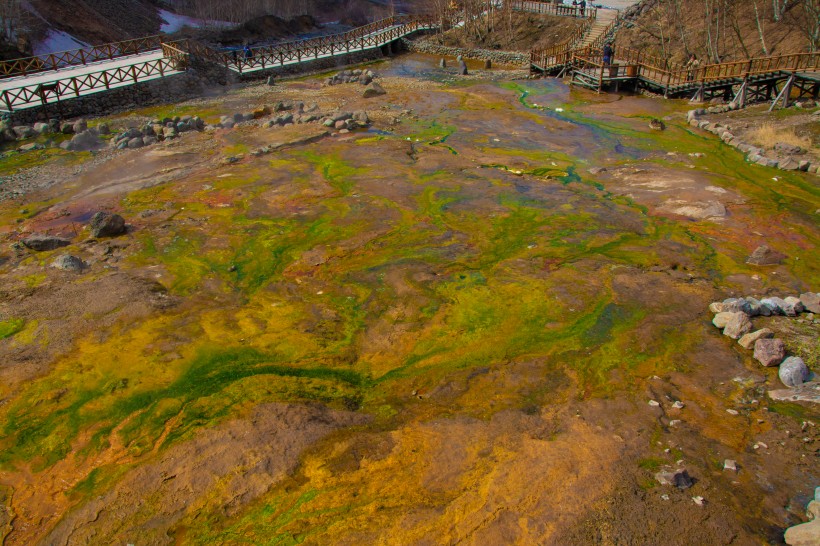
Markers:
7,100
788,91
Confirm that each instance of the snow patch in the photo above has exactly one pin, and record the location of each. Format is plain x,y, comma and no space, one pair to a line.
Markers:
173,22
57,40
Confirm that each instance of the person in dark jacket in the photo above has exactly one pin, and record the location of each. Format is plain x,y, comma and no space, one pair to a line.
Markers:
248,52
583,6
608,53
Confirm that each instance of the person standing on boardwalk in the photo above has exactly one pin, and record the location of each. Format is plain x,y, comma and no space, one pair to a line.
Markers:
248,52
583,6
608,53
692,65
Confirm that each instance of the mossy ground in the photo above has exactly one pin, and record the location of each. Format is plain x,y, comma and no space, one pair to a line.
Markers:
365,277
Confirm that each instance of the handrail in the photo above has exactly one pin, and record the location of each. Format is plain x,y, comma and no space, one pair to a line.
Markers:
545,7
77,57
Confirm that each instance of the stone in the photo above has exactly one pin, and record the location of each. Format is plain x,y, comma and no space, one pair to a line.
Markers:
793,372
80,126
679,478
716,307
149,140
67,262
805,534
788,149
803,165
807,392
373,90
271,80
261,112
67,128
169,132
104,224
748,341
41,243
737,325
443,63
84,141
42,128
811,301
737,305
656,124
24,131
135,143
788,164
103,129
730,464
721,319
779,306
795,303
462,68
769,352
488,64
763,255
30,147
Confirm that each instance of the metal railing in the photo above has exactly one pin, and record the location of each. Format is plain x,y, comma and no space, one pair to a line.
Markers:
544,7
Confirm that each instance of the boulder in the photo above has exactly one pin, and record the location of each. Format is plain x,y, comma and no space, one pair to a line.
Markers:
779,306
811,301
788,149
716,307
793,372
84,141
261,112
170,132
24,131
103,129
442,63
80,126
462,68
769,352
104,224
67,128
795,303
42,243
737,325
736,305
679,478
788,164
135,143
67,262
373,90
721,319
748,341
763,255
42,128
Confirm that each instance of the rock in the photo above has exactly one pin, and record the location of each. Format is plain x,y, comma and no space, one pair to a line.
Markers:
80,126
716,307
42,128
721,319
135,143
103,129
488,64
805,534
788,149
170,132
373,90
755,308
462,68
730,464
42,243
788,164
30,147
793,372
737,325
679,478
807,392
803,165
769,352
795,303
104,224
811,301
24,131
261,112
67,128
149,140
443,63
271,80
736,305
779,306
763,255
748,341
67,262
84,141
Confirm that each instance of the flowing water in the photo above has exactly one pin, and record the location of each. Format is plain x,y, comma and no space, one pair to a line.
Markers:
442,329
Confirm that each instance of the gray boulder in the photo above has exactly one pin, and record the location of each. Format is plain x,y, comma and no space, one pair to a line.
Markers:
80,126
103,129
793,372
42,128
373,90
748,341
104,224
67,128
737,305
779,306
42,243
85,141
24,131
769,352
135,143
796,304
811,301
737,325
721,319
67,262
788,149
679,478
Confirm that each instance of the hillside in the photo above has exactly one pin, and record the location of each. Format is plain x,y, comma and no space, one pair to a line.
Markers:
731,30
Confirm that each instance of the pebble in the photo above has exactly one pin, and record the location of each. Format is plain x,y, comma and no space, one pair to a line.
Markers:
678,405
699,500
732,412
730,464
654,403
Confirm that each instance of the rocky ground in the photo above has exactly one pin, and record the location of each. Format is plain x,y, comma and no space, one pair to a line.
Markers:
464,310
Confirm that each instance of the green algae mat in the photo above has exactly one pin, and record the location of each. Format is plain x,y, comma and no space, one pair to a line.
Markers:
440,330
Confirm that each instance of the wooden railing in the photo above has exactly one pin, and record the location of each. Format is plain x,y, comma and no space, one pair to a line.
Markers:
560,54
77,57
27,96
544,7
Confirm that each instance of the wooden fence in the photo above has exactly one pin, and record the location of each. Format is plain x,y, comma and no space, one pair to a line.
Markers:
77,57
544,7
27,96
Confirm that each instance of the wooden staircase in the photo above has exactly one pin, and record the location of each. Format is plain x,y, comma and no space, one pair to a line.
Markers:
604,19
